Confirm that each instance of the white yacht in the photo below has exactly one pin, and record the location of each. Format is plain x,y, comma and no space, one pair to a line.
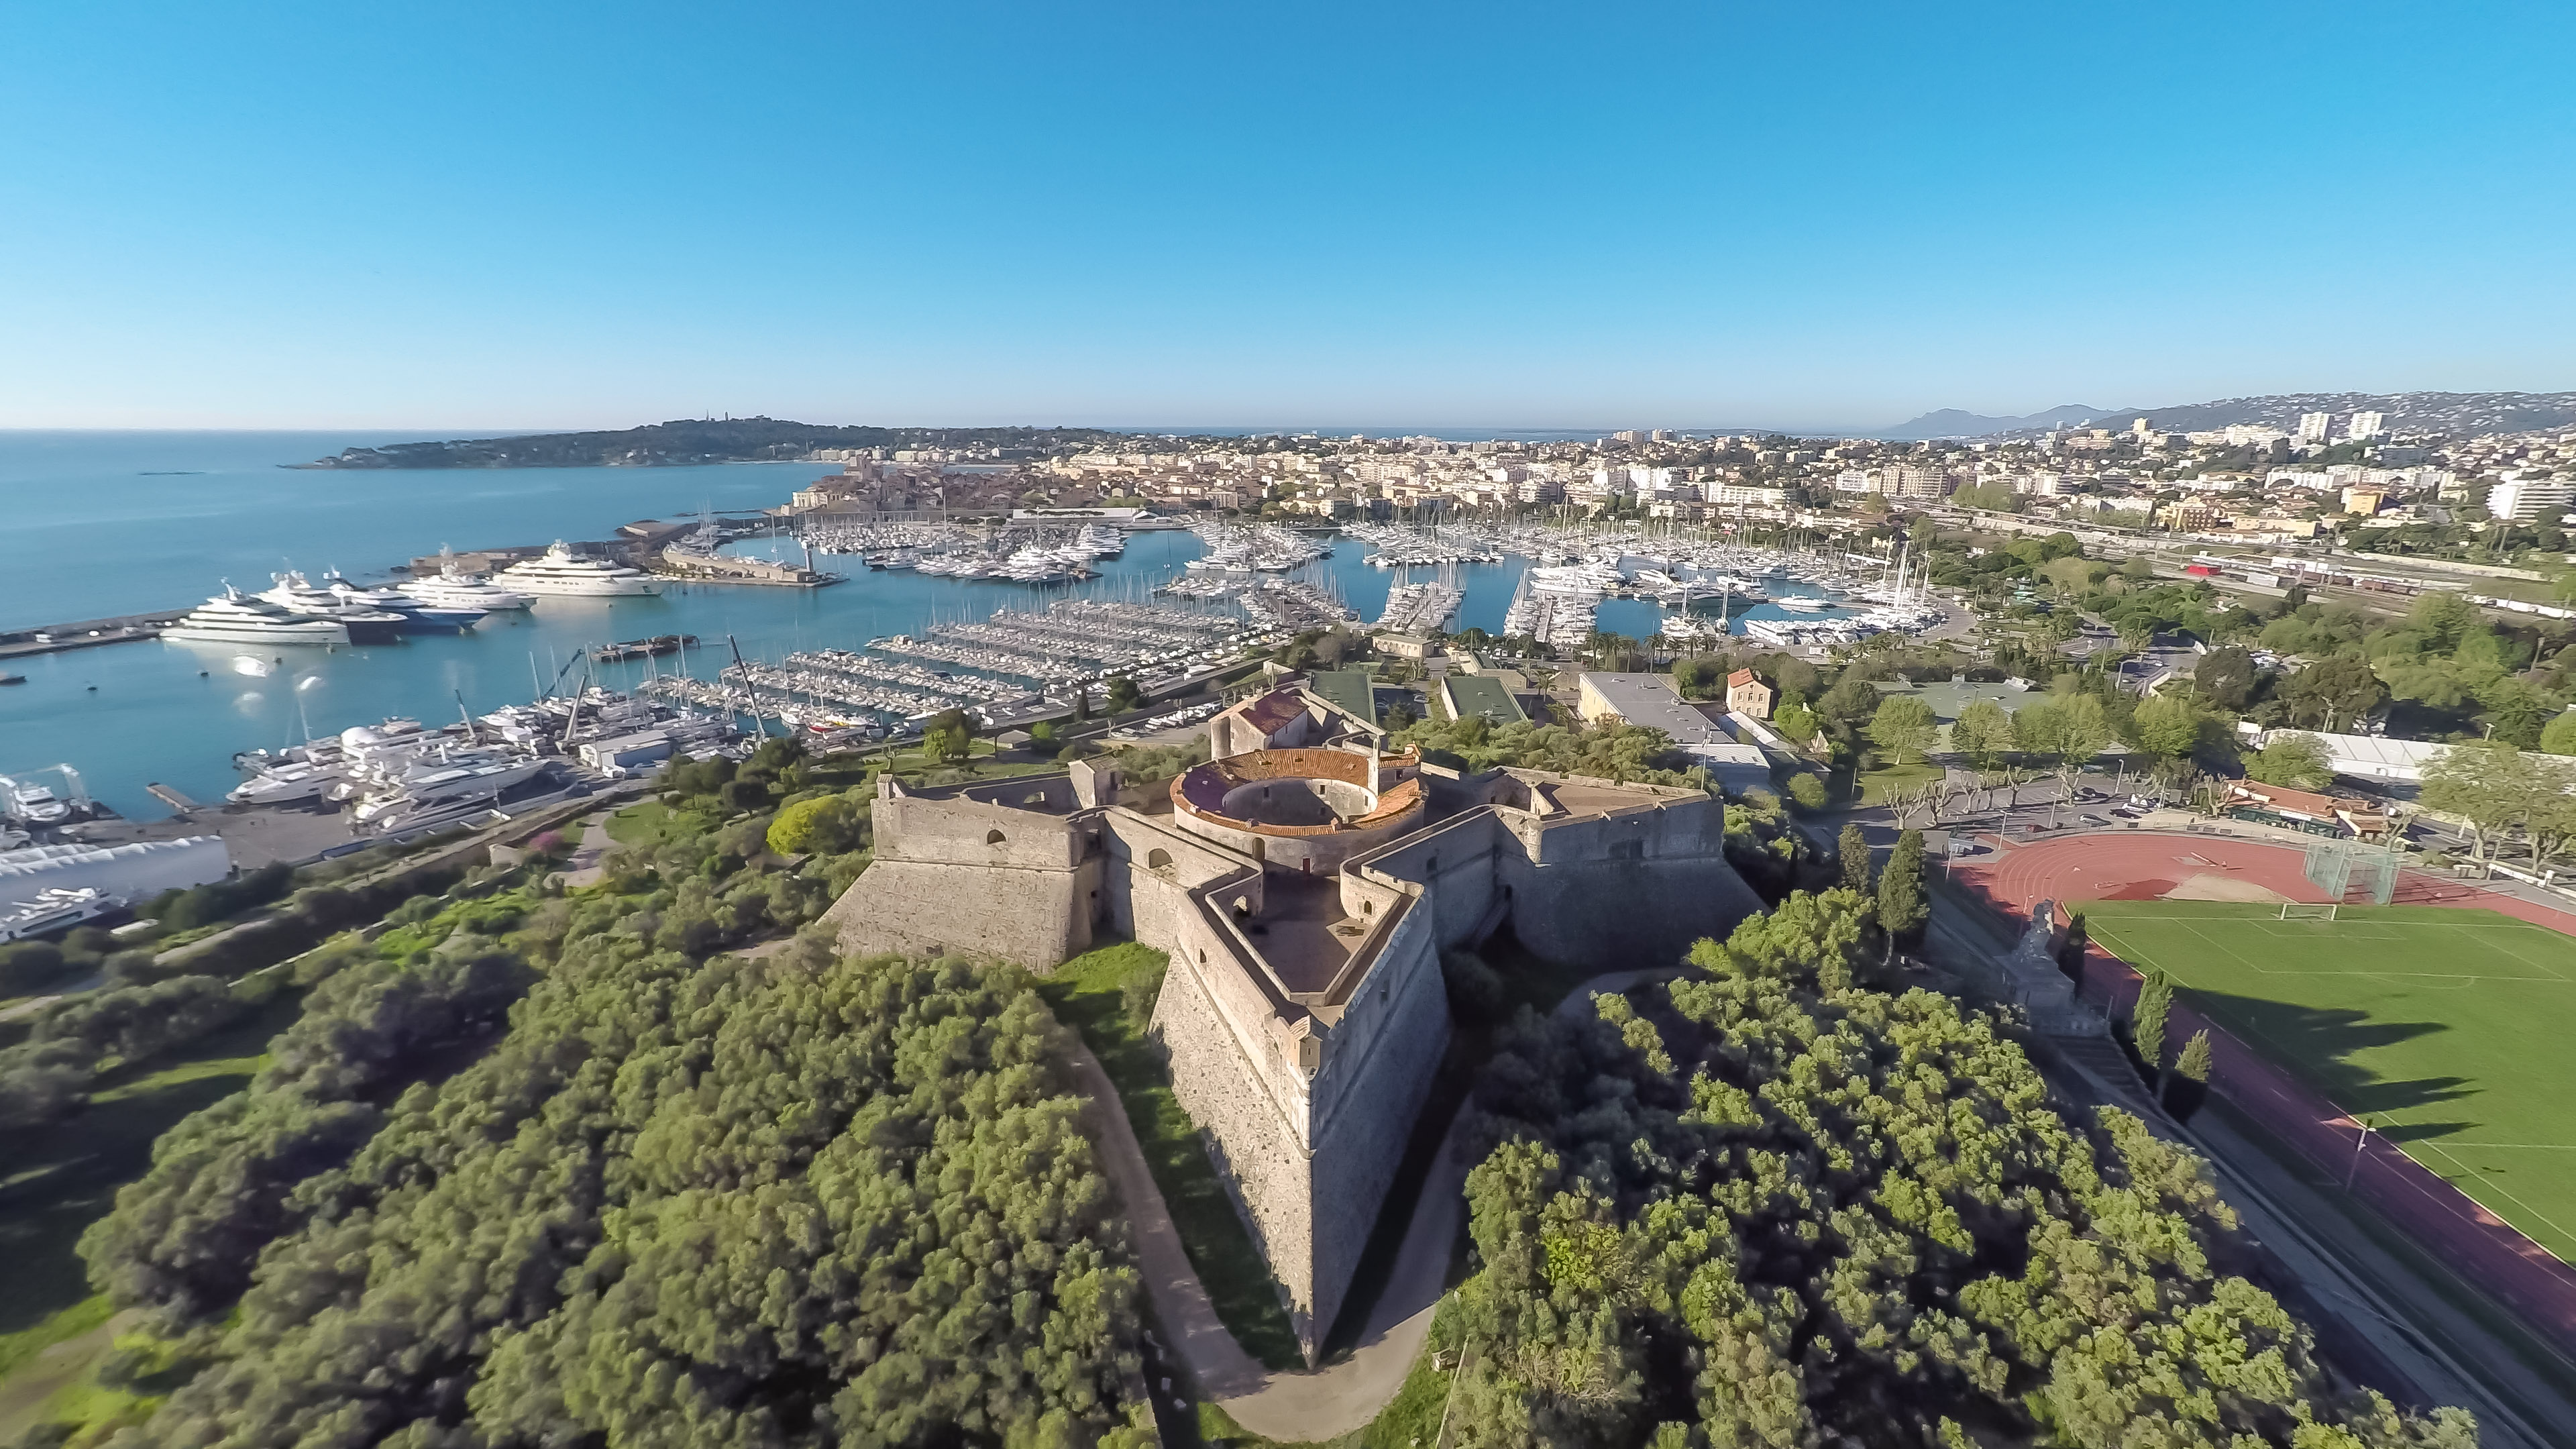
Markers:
419,615
365,623
562,572
52,909
27,804
452,587
233,617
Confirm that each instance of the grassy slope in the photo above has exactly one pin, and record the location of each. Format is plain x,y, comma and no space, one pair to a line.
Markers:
1088,994
2445,1027
60,1180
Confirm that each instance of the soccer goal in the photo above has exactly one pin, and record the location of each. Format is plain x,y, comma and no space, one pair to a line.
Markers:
2337,866
2293,911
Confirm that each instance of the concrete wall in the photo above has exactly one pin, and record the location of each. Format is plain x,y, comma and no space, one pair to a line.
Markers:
1033,918
1261,1159
1456,864
969,875
1378,1066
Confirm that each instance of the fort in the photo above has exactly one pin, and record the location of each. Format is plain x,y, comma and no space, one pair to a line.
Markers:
1303,881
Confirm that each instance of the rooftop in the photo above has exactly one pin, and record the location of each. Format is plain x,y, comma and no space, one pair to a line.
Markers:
1348,690
1648,700
1482,694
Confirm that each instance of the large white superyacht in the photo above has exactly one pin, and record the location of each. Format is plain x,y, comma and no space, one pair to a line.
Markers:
233,617
366,623
561,572
454,587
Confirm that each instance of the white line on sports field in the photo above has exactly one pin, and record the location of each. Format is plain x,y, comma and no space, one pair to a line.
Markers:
2501,1191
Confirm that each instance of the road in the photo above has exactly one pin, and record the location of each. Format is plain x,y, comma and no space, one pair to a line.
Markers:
2524,1397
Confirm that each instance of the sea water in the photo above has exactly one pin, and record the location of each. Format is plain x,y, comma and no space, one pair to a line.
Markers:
99,525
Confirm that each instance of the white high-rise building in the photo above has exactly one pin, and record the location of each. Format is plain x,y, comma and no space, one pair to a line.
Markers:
2526,500
2313,427
2366,426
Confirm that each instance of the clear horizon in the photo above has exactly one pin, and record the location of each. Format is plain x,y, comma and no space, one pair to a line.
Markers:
311,218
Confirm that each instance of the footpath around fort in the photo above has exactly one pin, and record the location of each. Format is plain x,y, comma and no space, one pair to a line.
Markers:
1303,881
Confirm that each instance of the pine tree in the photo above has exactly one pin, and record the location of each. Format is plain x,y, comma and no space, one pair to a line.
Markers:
2147,1026
1852,847
1902,908
2193,1064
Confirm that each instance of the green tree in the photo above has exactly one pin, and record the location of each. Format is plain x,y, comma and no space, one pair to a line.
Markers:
1795,722
1123,695
2193,1065
1810,936
1904,726
1807,792
949,735
1850,702
2167,725
2147,1024
1851,852
825,822
1984,733
1902,906
2291,758
2333,692
2558,737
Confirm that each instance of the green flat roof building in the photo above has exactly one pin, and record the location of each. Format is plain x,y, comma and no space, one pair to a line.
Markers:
1348,690
1479,694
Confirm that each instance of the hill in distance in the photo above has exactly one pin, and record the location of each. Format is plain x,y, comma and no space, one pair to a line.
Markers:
693,440
2447,412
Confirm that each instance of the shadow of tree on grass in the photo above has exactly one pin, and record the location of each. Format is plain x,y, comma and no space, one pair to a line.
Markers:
2319,1044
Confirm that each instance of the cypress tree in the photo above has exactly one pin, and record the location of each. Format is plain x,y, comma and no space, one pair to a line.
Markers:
1852,848
2193,1064
1902,909
2147,1026
2191,1077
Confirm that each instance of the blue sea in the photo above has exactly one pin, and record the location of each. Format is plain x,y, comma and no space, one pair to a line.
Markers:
103,524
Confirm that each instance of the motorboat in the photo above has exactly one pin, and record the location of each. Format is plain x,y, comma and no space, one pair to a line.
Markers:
427,798
455,587
54,908
234,617
366,625
32,805
419,615
560,572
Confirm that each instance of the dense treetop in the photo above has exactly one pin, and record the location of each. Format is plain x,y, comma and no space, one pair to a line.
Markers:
1769,1207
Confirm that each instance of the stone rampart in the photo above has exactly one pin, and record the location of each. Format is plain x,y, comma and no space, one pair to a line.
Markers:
964,874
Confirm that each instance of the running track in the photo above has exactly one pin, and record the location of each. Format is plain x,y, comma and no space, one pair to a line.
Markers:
2143,865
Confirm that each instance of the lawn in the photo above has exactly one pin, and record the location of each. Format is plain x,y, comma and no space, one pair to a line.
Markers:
59,1180
1092,994
2447,1029
1878,784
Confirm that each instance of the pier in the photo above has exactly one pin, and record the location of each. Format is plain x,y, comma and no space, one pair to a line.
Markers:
87,634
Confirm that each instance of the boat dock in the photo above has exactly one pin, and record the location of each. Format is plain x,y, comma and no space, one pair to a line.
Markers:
87,634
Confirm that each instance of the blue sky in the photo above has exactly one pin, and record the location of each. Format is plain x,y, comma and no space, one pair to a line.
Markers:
467,215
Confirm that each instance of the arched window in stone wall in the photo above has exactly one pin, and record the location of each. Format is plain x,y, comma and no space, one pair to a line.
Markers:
1158,859
992,837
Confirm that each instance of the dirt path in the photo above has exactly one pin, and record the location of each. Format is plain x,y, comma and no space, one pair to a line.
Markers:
583,868
1297,1406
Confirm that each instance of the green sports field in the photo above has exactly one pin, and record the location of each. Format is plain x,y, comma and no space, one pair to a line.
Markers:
2454,1031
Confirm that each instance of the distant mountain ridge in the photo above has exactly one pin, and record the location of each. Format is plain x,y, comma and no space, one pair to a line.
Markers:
2456,412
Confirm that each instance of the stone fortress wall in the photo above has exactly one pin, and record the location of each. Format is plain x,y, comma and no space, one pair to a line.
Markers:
1303,1010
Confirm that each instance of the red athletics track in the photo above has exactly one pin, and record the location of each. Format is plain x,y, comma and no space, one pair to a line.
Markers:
2144,865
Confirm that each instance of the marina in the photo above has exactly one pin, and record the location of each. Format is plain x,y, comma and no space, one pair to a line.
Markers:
897,643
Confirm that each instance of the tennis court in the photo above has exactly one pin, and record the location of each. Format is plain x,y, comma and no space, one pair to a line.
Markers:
2453,1031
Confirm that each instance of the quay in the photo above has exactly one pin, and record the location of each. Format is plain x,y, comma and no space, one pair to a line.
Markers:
87,634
